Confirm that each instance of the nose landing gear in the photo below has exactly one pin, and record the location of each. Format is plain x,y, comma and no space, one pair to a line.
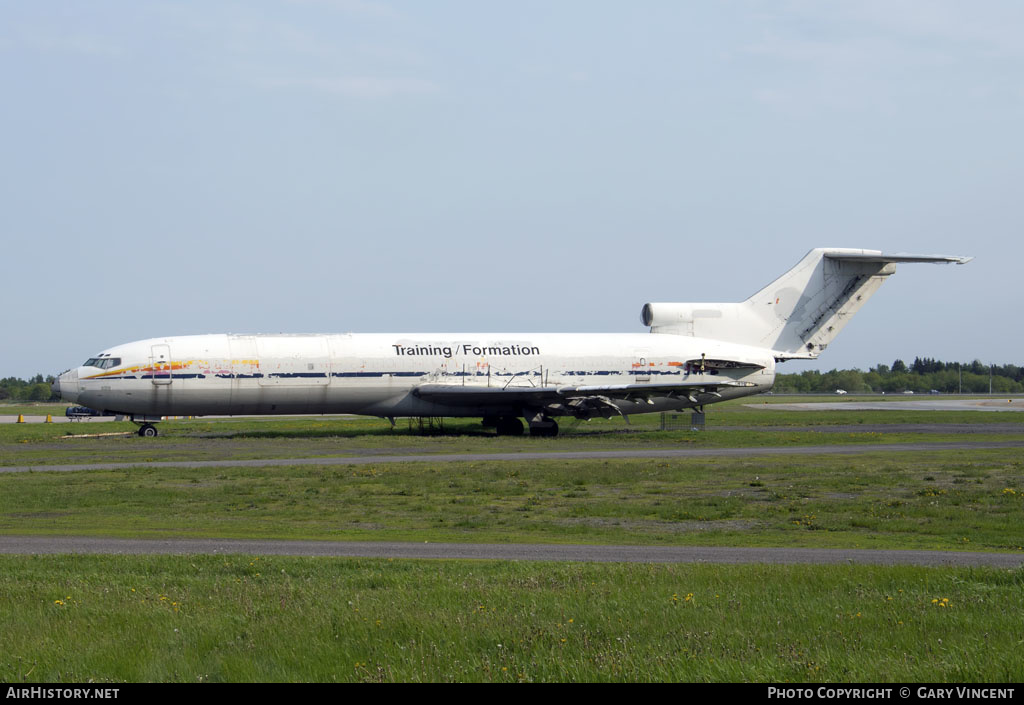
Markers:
146,424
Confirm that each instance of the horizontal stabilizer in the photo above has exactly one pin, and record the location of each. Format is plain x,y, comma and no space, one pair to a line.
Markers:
885,259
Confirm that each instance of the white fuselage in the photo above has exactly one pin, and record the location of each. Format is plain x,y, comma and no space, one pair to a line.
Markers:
377,374
695,354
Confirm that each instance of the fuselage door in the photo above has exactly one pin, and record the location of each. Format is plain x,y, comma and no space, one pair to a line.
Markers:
641,366
160,363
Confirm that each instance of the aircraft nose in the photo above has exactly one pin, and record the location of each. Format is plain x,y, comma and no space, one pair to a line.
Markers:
66,385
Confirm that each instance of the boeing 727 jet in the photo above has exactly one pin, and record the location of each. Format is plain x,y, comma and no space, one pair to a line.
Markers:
694,354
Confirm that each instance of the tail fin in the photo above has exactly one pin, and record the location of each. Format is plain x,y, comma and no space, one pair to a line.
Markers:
798,314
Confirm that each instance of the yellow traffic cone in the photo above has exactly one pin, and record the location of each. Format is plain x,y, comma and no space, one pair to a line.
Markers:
21,418
49,418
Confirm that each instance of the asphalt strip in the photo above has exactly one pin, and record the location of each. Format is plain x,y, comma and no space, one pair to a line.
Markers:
38,545
557,455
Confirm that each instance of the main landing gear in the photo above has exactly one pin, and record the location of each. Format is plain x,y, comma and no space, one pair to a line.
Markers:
147,430
540,426
547,428
509,426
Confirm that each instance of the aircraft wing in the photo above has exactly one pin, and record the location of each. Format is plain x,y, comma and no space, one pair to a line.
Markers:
582,397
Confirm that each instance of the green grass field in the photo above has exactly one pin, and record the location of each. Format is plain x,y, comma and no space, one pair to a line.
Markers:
971,500
251,618
245,618
8,408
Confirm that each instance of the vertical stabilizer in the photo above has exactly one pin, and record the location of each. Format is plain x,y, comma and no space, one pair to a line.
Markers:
798,314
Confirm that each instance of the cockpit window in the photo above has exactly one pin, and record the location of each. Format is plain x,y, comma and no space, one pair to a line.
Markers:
104,363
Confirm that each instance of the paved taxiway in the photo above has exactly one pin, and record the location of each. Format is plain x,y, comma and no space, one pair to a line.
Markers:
852,449
55,419
29,545
946,404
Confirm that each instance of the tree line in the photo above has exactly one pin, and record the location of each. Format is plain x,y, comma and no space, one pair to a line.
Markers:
924,375
35,389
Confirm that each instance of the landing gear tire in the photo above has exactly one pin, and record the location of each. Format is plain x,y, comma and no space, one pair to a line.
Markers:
509,426
548,431
147,430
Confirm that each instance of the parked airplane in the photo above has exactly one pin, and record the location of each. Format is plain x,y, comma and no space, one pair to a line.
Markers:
695,354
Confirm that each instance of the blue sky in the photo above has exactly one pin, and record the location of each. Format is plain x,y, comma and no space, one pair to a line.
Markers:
349,165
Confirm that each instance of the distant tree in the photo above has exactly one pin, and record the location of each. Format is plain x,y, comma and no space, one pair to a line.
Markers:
924,366
38,392
851,381
899,366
